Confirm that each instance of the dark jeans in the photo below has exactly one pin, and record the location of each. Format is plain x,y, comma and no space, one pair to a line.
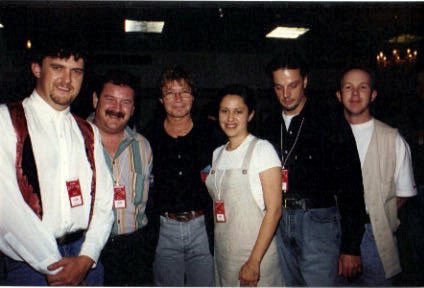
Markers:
309,246
22,274
128,259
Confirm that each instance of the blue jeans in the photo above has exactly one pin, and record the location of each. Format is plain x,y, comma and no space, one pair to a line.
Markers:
22,274
308,243
182,254
372,268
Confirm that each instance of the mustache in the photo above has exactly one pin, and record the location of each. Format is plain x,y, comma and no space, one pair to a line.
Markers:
115,114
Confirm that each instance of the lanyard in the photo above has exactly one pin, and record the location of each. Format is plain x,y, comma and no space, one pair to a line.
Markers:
218,159
115,164
294,143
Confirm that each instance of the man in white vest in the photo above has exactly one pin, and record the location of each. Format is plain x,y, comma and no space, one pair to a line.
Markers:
387,175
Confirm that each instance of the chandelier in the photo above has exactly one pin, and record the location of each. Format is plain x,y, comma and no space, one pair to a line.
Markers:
397,57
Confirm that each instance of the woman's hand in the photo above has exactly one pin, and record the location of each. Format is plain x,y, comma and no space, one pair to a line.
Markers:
249,274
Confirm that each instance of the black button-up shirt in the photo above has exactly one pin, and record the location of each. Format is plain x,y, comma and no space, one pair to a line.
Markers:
324,163
177,163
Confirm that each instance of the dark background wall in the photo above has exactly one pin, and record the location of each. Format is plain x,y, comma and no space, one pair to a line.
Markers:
220,42
224,42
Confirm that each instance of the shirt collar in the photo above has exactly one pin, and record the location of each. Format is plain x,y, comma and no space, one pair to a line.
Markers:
364,125
301,113
44,110
130,133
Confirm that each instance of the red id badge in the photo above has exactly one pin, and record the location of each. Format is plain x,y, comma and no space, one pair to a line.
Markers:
285,180
119,198
74,193
220,211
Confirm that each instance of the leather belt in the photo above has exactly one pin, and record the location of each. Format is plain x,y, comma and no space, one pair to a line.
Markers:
183,216
123,237
305,204
70,237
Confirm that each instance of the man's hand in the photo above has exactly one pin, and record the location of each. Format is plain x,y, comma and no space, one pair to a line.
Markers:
73,272
249,274
349,265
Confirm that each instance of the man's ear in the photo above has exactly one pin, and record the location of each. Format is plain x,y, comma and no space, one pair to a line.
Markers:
251,116
373,95
36,69
305,82
95,100
339,96
132,111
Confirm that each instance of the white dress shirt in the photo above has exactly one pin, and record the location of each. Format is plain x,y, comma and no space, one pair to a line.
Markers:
60,156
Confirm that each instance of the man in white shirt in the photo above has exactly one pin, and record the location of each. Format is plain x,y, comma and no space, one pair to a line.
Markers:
387,176
55,208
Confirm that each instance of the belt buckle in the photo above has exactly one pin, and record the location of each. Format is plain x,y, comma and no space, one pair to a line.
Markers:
184,216
290,203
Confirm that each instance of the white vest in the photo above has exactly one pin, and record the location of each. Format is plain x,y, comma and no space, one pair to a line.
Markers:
380,194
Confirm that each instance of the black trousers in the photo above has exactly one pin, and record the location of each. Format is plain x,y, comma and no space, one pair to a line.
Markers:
128,259
2,269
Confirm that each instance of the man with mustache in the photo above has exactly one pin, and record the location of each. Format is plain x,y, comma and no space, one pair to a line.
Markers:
129,158
56,195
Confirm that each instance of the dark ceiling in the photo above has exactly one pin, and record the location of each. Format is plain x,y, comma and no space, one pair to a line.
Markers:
337,29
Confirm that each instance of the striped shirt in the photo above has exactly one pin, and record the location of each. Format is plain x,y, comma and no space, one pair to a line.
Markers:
131,167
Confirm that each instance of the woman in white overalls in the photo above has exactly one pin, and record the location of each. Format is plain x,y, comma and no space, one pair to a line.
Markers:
245,184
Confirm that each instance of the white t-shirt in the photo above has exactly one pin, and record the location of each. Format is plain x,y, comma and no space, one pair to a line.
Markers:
263,158
404,177
287,119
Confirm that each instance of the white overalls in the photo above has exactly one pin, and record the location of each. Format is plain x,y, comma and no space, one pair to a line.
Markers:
234,239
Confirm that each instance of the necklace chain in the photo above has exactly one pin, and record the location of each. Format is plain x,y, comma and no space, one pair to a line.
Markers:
294,143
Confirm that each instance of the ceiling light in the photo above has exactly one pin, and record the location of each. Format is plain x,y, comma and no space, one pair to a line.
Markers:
1,25
144,26
287,32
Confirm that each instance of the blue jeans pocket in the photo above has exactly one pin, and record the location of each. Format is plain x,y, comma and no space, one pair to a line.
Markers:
323,215
323,223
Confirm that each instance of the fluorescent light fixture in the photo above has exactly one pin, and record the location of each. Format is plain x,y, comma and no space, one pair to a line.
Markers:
144,26
287,32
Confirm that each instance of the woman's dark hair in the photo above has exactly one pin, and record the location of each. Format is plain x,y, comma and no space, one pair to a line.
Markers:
243,91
